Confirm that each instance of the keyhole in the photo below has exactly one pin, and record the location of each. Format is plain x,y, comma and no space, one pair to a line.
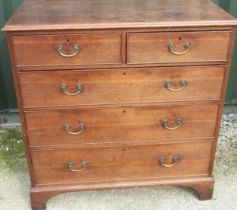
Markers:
124,111
124,149
124,73
180,38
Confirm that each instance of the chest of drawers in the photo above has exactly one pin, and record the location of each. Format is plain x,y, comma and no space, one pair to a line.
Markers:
120,93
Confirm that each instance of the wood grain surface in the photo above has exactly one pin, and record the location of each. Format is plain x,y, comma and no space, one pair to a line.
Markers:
41,49
103,14
121,85
120,163
124,124
153,47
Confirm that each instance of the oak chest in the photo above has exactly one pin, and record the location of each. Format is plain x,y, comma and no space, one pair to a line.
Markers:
120,93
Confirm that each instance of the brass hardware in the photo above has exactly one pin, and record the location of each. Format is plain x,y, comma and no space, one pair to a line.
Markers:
172,48
174,162
64,89
165,124
67,129
83,167
169,85
61,50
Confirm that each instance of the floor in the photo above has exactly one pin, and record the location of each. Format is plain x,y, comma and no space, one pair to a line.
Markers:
14,182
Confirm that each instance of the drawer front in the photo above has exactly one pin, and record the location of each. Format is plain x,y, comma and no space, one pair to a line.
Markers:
121,86
61,50
177,47
66,166
120,124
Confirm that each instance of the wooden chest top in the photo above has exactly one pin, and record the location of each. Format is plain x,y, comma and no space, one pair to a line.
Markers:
104,14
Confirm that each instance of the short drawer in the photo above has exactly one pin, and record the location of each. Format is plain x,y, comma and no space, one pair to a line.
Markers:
177,47
67,50
67,166
120,124
72,88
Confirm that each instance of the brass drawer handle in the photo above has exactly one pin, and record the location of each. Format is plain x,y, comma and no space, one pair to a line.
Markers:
83,167
61,50
79,89
169,85
172,48
165,124
68,129
174,162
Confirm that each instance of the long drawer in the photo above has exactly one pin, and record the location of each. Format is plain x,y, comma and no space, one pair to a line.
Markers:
177,47
71,88
120,124
67,166
67,49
